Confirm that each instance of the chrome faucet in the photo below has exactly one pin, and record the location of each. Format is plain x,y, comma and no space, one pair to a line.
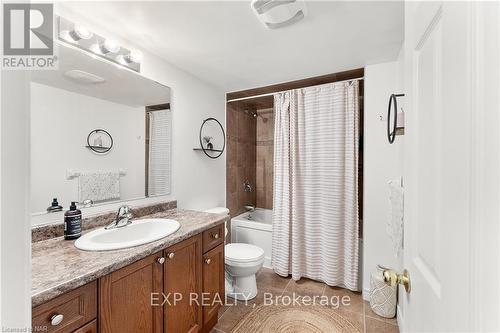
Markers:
246,186
122,218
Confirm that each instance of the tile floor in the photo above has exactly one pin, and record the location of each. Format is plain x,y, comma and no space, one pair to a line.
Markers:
358,312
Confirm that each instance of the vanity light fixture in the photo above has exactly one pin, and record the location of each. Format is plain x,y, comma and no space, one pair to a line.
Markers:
81,37
78,32
133,57
109,46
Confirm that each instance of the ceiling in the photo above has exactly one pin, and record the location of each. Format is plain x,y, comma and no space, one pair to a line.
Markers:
225,44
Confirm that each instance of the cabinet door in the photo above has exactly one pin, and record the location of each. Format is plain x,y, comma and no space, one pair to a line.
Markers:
183,286
213,285
125,298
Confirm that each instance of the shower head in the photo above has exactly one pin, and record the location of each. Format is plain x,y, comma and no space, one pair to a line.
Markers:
250,113
254,115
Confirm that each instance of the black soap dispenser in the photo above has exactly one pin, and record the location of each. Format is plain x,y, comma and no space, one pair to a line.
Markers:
54,207
72,222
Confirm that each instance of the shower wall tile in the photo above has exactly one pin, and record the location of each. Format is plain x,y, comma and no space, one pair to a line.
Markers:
265,158
241,158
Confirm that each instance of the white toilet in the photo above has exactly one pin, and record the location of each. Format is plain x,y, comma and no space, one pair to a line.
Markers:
242,261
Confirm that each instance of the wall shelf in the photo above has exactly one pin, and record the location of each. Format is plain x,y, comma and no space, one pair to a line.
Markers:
210,150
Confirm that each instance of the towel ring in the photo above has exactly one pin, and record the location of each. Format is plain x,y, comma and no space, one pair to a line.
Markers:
391,135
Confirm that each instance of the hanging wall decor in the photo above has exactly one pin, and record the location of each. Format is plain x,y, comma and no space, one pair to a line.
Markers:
397,125
99,141
212,138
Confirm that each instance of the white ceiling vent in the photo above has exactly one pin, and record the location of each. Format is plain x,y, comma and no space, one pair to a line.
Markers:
279,13
84,77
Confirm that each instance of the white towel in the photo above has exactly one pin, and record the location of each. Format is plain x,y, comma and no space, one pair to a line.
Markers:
395,222
99,186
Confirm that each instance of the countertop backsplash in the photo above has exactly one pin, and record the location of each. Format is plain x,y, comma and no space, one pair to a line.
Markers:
53,230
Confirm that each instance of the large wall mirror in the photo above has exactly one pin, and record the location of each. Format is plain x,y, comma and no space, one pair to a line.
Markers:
99,134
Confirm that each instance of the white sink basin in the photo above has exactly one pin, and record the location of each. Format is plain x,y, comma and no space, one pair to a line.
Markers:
139,232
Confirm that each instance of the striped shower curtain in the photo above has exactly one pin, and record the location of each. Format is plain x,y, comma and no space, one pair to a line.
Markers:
315,216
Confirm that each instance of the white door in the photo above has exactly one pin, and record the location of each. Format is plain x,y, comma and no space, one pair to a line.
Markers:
441,237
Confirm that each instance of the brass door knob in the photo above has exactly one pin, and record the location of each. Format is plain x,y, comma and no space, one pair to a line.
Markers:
208,261
391,278
171,255
404,279
161,260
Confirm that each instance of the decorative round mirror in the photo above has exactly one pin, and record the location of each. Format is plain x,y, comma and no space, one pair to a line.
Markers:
392,121
99,141
212,138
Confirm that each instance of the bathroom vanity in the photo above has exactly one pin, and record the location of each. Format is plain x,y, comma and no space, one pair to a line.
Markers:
175,284
112,147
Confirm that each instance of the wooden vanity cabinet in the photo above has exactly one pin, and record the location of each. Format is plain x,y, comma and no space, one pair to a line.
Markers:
177,290
125,297
182,285
213,286
186,277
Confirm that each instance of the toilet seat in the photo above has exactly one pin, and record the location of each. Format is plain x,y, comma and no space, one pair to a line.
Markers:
242,254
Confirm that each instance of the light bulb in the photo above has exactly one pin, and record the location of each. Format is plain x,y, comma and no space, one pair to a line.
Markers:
110,45
135,56
82,32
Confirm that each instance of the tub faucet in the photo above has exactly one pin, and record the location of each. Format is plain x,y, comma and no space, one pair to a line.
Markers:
246,186
122,218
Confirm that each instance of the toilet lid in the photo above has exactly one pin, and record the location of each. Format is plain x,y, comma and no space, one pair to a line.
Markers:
240,252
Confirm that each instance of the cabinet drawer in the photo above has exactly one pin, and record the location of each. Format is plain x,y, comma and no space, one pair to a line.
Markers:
89,328
73,310
213,237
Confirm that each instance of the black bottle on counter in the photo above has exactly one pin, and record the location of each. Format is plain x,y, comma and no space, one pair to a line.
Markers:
54,207
72,222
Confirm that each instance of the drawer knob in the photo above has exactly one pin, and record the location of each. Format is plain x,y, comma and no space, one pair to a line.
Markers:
215,236
208,261
161,260
171,255
56,319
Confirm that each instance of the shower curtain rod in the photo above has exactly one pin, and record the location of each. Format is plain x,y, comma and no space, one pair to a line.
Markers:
277,92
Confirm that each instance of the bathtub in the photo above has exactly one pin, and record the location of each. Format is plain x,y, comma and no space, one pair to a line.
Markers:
254,228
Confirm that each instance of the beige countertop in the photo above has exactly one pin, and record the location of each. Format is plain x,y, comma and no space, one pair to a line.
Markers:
58,266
